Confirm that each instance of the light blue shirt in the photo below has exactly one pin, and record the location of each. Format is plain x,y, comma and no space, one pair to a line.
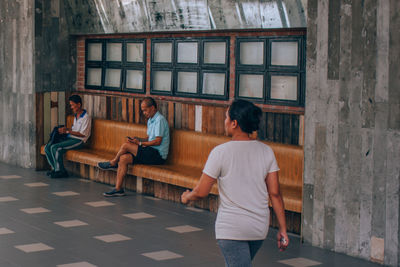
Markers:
157,126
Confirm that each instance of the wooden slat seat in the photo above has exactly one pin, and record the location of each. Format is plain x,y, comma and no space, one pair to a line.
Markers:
188,153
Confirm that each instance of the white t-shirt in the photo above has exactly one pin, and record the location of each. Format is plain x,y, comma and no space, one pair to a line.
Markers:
82,124
241,168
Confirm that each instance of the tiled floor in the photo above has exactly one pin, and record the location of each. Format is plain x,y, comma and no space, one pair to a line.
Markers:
68,223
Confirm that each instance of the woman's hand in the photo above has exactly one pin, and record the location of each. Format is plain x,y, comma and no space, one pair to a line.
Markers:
62,130
184,197
283,240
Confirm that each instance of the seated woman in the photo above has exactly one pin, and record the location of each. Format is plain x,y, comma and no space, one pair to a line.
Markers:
247,174
76,136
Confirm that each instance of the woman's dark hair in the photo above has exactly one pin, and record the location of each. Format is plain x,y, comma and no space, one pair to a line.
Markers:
246,114
76,99
150,102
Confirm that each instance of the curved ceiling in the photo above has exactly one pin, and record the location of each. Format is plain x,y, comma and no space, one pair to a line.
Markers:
126,16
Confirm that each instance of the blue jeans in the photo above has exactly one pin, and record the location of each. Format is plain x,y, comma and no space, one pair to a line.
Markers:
238,253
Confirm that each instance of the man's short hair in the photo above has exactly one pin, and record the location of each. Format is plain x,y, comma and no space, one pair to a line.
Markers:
76,99
150,102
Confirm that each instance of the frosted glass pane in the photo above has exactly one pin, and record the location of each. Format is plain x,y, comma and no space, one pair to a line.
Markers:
94,77
252,53
95,52
134,52
134,79
214,52
251,85
284,53
113,78
114,52
187,82
163,52
162,80
187,52
214,83
284,87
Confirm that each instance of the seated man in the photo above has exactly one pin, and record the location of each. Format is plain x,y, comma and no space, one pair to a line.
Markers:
76,136
152,150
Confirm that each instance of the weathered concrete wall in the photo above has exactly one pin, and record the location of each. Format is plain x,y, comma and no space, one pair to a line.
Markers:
17,99
352,124
55,49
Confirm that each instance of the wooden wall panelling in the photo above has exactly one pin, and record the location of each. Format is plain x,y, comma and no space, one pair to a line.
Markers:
286,128
163,108
61,108
148,186
53,109
204,119
270,127
185,117
46,116
124,109
40,140
191,117
171,114
262,130
137,110
295,130
301,130
131,110
108,108
178,115
220,120
278,127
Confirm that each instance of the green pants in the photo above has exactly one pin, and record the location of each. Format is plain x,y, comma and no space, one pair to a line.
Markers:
55,152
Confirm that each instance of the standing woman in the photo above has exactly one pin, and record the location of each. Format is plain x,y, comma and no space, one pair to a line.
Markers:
247,174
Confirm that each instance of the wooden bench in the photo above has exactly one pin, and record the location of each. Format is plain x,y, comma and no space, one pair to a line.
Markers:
188,153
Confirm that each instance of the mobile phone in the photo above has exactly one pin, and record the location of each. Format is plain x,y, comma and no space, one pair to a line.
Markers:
283,241
130,138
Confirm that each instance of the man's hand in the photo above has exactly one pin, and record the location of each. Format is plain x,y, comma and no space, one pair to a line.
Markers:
283,240
62,130
132,140
184,197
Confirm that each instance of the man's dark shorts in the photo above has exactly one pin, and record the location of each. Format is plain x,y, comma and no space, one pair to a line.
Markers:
148,155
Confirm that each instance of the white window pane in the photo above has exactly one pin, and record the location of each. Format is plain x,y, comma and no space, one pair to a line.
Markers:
94,76
113,78
95,52
251,85
252,53
163,52
162,80
187,82
214,52
134,79
284,87
187,52
134,52
284,53
214,83
114,52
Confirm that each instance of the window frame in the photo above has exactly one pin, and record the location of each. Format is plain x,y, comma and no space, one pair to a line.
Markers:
200,67
268,69
124,65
